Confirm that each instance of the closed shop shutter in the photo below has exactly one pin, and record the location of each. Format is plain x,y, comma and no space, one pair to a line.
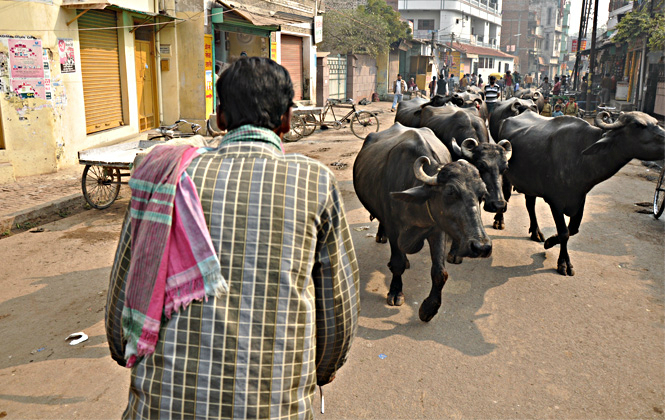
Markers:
100,67
292,61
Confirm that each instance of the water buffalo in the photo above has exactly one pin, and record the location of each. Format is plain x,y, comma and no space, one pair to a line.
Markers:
473,99
532,93
508,108
561,159
409,112
406,179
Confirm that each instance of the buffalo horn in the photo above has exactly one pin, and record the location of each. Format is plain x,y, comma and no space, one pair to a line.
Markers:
536,95
467,148
211,131
600,123
420,172
509,148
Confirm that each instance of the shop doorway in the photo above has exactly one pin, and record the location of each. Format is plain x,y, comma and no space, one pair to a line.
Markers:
144,59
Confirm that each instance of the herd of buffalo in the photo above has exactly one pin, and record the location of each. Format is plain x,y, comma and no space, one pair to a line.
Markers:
426,177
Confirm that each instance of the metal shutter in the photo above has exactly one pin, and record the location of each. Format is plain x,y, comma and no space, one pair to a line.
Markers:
100,67
292,61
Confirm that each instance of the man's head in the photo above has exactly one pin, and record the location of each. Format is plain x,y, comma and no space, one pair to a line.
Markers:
451,76
492,80
546,79
557,107
434,78
571,99
399,77
559,101
556,78
257,91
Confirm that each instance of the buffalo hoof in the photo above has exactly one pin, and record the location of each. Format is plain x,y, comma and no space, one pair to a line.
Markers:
395,299
564,269
380,239
428,309
537,236
454,259
499,224
408,264
551,241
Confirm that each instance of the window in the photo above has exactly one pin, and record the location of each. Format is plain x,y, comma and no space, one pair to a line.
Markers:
547,42
506,67
425,24
491,63
549,16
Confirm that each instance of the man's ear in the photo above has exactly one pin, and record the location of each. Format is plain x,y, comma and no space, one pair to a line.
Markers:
285,123
221,119
416,195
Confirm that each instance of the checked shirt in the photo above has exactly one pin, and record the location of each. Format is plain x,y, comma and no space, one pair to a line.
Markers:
278,226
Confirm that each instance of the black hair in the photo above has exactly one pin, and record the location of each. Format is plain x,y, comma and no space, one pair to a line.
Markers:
254,90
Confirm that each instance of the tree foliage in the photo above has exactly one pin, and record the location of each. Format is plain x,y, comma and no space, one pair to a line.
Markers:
640,23
368,29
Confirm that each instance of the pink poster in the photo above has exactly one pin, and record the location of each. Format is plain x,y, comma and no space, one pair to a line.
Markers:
67,57
29,88
25,58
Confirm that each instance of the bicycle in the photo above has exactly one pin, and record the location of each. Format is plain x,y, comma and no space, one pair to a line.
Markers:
170,132
304,120
659,195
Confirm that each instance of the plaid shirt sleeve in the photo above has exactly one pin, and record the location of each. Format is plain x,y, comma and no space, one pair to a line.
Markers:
336,281
116,294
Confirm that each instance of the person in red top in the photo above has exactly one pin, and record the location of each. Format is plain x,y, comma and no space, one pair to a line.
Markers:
556,90
510,86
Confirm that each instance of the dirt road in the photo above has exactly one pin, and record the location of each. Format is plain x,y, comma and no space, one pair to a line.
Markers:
512,339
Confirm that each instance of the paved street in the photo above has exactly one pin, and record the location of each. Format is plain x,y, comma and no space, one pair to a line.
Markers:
513,338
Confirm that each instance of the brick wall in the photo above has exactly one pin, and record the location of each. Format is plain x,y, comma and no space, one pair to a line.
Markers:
360,76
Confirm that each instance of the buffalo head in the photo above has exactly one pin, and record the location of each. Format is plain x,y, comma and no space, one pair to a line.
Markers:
452,197
634,134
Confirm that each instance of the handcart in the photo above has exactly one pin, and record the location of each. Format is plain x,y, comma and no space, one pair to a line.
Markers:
105,167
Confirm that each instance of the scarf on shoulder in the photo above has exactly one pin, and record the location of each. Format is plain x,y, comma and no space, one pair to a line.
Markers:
173,261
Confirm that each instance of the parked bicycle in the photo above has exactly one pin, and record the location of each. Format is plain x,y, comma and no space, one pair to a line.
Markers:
306,119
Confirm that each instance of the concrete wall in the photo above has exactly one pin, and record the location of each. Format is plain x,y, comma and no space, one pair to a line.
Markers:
361,75
41,135
322,77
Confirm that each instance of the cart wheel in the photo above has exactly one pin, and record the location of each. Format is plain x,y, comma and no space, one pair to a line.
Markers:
364,123
100,185
659,196
297,129
310,124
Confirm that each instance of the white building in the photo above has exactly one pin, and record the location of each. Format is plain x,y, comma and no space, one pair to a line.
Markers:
474,22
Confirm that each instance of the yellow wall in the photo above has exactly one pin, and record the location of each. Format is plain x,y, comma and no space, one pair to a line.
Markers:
42,136
191,69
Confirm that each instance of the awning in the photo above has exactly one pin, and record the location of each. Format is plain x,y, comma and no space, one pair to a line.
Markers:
103,4
238,17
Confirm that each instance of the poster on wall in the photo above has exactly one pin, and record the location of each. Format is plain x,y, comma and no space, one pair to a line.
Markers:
47,77
29,88
67,57
26,58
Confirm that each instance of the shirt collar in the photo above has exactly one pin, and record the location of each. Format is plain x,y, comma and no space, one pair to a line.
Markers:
250,132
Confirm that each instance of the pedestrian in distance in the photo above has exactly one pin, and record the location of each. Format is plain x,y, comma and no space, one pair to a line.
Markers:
571,107
432,87
463,82
235,286
441,85
509,83
556,89
605,87
528,80
480,81
412,86
451,84
491,94
399,87
545,87
547,108
557,111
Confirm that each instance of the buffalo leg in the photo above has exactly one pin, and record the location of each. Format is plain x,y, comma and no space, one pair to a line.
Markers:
381,235
397,266
573,228
431,305
507,189
563,263
534,230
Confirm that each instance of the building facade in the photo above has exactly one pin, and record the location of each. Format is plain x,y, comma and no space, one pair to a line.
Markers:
80,74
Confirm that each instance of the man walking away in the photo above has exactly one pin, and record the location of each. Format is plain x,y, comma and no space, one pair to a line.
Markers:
399,87
277,228
491,94
556,90
606,86
432,87
528,80
509,84
451,84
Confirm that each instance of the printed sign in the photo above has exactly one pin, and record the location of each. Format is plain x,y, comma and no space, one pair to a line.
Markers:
165,49
29,88
25,58
67,57
47,77
207,48
318,29
574,48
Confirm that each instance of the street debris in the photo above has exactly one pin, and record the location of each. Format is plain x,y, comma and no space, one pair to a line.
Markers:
382,356
38,230
361,228
371,235
339,165
78,337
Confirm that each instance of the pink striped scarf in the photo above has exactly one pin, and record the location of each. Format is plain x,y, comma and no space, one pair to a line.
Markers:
173,261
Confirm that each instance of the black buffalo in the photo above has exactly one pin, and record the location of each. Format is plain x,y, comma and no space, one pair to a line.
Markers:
561,159
508,108
409,112
406,179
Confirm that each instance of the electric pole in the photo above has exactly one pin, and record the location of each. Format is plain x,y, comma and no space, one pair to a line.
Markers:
592,57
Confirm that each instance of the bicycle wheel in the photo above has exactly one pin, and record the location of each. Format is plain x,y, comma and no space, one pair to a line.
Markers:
310,124
659,196
100,185
364,123
297,129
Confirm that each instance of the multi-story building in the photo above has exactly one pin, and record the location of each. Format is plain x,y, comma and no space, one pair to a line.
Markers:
564,54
